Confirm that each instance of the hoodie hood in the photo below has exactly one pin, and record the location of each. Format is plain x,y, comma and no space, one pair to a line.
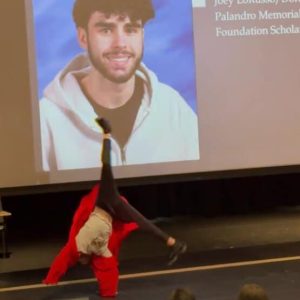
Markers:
66,93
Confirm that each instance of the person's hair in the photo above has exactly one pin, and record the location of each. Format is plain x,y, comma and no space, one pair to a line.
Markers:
134,9
252,291
182,294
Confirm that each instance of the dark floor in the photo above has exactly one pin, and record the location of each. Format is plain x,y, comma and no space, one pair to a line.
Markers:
249,241
281,280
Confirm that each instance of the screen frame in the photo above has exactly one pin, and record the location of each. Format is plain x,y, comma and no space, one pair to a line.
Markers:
154,180
261,171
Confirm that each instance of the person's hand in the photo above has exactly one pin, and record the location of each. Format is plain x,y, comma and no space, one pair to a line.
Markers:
84,259
49,282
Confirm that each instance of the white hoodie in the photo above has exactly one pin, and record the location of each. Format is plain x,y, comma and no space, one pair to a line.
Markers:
165,128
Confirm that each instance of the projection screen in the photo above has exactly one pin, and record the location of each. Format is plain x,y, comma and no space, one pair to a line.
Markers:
220,87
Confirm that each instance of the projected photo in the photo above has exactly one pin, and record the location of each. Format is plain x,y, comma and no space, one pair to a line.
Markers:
130,61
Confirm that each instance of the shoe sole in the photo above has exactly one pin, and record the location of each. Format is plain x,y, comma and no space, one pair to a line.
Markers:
182,250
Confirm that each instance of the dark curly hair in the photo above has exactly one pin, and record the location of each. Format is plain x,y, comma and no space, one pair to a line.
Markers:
135,9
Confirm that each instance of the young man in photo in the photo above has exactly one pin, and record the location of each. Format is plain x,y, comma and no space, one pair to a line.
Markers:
152,122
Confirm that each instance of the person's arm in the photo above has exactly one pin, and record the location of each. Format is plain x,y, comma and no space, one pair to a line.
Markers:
66,258
107,273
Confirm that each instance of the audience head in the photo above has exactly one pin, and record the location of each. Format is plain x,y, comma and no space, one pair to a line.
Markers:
182,294
252,291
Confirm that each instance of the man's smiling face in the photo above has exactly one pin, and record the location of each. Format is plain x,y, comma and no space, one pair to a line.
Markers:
114,44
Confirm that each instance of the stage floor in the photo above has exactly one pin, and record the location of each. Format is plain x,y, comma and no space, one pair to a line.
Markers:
223,254
279,276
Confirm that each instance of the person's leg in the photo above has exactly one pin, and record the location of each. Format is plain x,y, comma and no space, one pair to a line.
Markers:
108,194
177,247
109,197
